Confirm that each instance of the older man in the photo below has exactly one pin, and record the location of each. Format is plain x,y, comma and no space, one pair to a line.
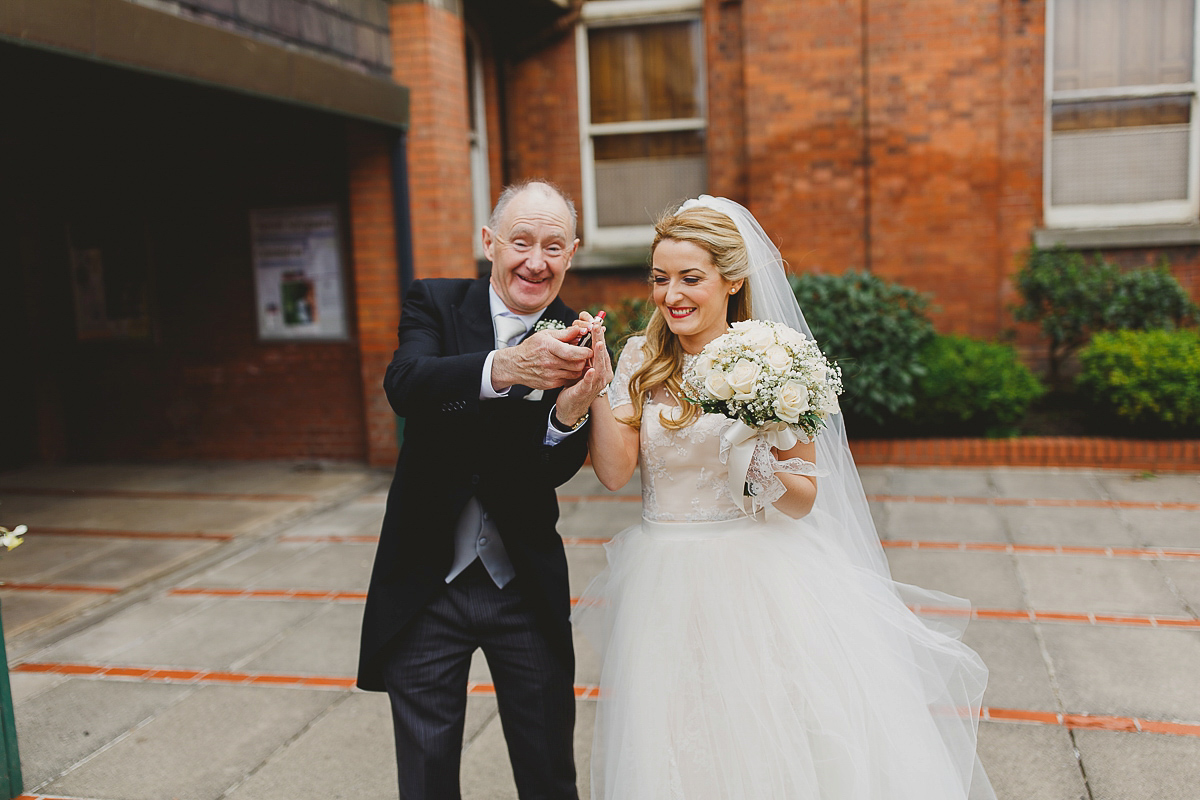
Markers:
469,556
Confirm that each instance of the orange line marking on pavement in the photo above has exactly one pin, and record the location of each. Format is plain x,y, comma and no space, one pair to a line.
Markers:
58,587
155,494
274,594
332,539
1020,615
582,691
167,675
600,498
1037,502
1154,553
100,532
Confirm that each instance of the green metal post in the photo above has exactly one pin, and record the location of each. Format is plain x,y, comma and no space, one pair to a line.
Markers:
11,784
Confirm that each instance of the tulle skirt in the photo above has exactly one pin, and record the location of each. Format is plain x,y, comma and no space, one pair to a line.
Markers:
750,660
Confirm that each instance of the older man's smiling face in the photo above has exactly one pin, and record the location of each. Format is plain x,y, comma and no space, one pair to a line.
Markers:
531,249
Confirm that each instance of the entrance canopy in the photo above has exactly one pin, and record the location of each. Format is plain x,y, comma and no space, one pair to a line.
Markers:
122,33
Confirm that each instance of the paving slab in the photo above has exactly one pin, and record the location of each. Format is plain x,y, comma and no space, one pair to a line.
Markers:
220,635
40,557
27,685
130,562
209,476
1030,762
597,519
876,480
244,568
988,580
1046,483
333,567
348,519
941,522
1185,576
324,644
1164,528
137,514
1140,766
59,728
198,748
1139,672
584,564
1017,672
100,642
941,482
346,754
1097,584
1082,527
26,611
1150,488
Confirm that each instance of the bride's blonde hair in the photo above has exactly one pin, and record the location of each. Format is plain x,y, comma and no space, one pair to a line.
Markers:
717,235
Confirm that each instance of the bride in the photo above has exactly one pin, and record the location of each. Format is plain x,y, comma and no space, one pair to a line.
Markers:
766,655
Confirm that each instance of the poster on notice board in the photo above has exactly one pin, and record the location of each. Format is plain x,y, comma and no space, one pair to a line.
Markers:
298,273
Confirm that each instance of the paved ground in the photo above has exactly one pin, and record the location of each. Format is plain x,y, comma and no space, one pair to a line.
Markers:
189,631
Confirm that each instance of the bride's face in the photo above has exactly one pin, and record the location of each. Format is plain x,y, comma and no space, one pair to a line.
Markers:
690,293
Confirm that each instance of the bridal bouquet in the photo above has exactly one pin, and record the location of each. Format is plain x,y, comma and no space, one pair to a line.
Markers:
766,375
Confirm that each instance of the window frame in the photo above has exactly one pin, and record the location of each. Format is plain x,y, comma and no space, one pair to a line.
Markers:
1124,214
623,13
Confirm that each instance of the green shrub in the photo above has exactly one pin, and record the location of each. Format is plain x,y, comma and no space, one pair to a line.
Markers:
971,386
1145,377
1072,299
628,318
875,330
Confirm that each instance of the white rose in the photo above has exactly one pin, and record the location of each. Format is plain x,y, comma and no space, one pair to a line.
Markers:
778,357
717,385
792,401
703,365
758,338
829,401
790,336
742,378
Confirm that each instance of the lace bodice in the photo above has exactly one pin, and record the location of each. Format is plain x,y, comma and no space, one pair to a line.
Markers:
684,477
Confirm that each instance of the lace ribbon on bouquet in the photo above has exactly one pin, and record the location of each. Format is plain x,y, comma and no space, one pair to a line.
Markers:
752,465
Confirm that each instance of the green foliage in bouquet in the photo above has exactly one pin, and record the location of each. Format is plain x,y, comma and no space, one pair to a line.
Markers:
875,331
1071,300
1145,377
971,386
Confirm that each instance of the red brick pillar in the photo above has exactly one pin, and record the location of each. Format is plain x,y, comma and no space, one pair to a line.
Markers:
376,278
428,57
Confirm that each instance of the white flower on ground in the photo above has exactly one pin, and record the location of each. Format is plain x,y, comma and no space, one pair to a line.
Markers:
11,539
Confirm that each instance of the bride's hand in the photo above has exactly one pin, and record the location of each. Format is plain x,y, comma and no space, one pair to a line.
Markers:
574,400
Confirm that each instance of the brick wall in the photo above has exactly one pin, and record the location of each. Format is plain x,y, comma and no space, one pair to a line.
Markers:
541,137
430,60
377,282
804,132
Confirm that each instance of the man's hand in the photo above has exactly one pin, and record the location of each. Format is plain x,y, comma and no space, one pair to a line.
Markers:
575,400
545,360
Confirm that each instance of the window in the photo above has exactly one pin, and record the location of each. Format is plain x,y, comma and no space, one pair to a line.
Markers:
1121,136
642,114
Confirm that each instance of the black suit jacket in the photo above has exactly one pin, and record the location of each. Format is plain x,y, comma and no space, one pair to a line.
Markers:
456,446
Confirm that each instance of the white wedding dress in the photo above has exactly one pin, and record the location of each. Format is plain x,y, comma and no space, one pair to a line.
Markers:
748,658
